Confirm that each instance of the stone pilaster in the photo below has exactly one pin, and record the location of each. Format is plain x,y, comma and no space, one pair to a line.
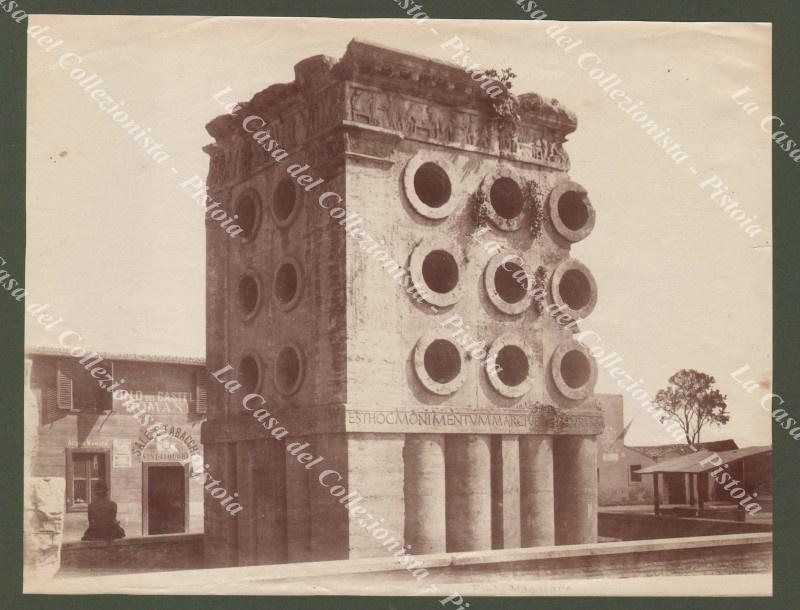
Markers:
221,537
329,518
536,490
375,471
424,493
468,485
505,492
298,509
575,461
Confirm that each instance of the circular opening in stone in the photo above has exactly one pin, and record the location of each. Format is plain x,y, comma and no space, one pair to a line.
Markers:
575,369
287,370
572,210
440,271
286,283
442,361
248,294
284,200
249,374
514,366
432,185
247,212
575,289
506,198
507,286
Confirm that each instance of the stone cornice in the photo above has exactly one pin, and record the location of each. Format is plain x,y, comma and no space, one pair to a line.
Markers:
393,71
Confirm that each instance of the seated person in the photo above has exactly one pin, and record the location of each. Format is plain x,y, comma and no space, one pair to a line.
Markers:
103,524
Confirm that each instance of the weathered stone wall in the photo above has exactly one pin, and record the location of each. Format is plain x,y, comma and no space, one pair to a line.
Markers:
43,526
641,526
485,573
144,554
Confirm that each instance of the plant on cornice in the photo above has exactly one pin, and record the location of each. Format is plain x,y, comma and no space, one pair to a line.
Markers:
539,282
505,105
480,207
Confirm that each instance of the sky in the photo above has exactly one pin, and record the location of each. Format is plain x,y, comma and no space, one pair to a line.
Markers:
116,246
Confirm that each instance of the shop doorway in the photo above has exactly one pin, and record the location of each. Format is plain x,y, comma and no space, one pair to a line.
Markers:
166,506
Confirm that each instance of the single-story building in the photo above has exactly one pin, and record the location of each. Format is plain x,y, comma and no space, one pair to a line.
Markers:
80,430
619,479
738,480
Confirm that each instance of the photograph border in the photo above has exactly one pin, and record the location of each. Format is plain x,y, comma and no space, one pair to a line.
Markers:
784,16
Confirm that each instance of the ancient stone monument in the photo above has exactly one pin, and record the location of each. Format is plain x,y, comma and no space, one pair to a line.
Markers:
403,298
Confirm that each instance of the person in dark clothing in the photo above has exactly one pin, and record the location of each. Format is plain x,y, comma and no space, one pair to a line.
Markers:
103,524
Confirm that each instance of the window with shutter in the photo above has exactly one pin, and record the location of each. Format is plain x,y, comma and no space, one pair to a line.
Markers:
64,377
85,468
106,397
200,392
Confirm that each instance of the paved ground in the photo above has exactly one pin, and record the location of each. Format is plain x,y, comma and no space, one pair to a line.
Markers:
741,562
760,517
739,584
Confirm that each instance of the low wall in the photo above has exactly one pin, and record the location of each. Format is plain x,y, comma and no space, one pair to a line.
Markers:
640,526
483,571
145,554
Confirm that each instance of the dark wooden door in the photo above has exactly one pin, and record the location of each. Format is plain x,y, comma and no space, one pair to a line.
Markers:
166,500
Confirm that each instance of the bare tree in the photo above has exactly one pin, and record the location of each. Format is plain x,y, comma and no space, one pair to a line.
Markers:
692,402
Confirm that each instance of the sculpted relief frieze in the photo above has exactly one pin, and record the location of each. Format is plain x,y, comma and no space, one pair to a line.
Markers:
433,122
240,155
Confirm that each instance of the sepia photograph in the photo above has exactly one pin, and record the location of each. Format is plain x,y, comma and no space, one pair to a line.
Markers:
398,307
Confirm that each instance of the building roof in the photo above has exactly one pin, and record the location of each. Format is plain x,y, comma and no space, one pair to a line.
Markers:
693,463
60,351
659,452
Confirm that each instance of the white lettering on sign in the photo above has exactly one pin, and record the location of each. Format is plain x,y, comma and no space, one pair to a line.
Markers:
161,402
169,449
84,444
